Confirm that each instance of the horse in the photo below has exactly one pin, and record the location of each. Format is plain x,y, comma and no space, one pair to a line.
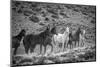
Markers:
82,37
31,40
17,39
48,41
53,30
74,36
62,38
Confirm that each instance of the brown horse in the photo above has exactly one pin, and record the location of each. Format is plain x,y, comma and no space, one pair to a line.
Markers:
74,37
31,40
17,39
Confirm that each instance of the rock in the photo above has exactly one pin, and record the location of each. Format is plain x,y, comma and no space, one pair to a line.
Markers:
52,11
55,16
34,19
46,19
27,13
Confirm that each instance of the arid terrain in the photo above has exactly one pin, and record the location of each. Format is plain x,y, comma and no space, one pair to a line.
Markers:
33,15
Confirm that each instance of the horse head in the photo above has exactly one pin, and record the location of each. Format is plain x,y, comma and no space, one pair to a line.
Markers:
53,30
22,33
47,31
78,31
67,29
83,32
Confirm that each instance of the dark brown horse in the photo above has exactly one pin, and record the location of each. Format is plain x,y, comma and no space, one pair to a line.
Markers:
17,39
74,37
31,40
48,41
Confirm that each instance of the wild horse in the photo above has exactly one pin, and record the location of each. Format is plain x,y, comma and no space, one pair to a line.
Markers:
31,40
17,39
74,36
82,37
62,38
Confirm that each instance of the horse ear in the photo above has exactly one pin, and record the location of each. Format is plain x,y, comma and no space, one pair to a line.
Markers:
68,28
48,26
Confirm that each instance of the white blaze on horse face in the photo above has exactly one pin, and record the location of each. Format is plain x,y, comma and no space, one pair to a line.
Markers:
67,30
84,31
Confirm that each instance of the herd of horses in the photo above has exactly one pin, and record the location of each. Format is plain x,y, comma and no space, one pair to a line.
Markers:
30,41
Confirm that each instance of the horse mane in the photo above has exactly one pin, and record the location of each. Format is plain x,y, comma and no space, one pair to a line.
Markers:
20,35
66,30
44,33
53,30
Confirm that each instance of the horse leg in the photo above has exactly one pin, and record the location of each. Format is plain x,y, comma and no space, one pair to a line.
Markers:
51,48
26,46
44,49
82,43
26,50
78,43
54,41
15,50
71,45
75,44
65,45
32,49
62,46
16,47
40,48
